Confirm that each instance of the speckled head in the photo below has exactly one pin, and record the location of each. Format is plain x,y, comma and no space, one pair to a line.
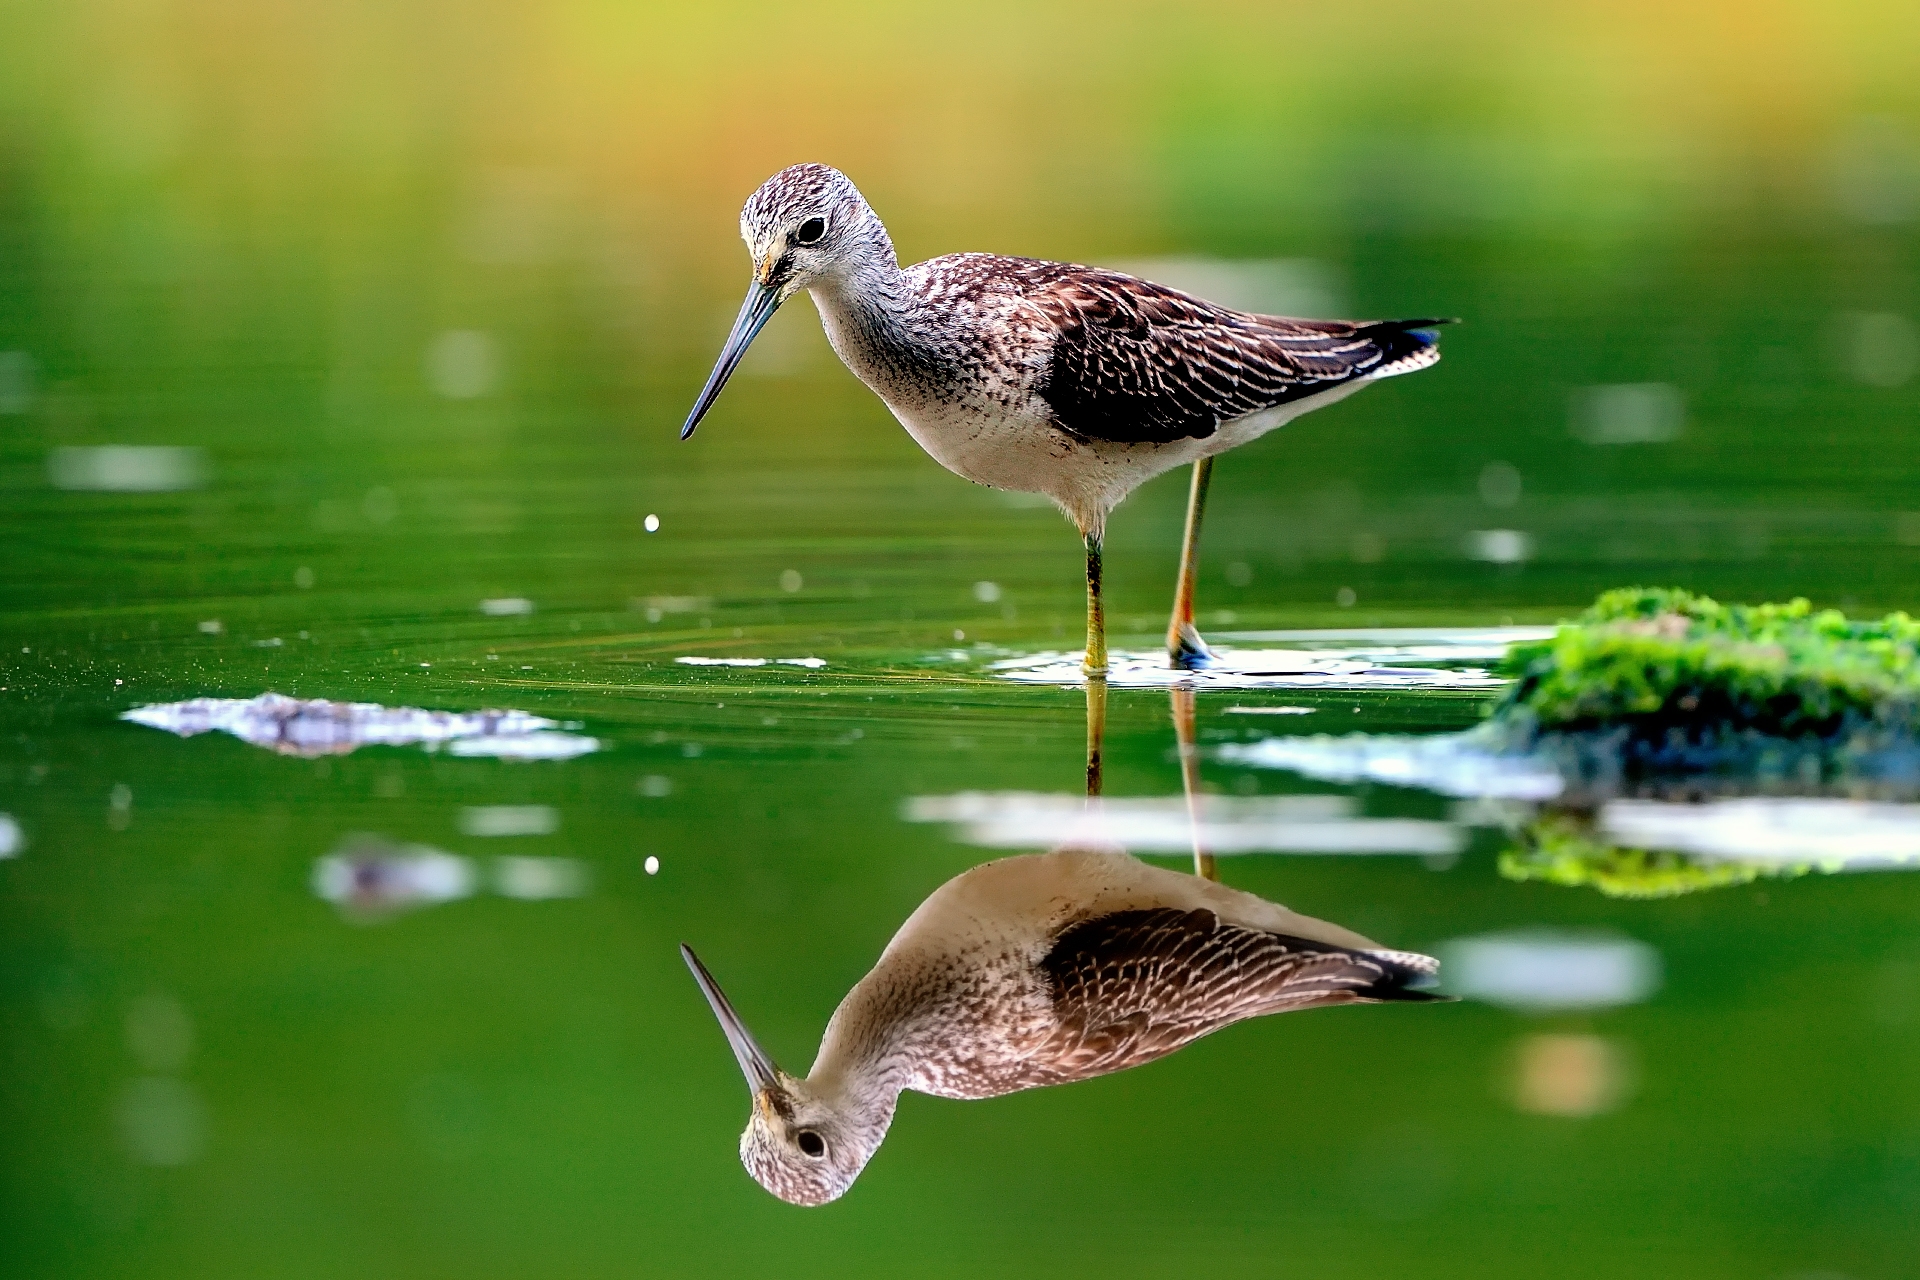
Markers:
800,1143
805,226
808,1149
807,222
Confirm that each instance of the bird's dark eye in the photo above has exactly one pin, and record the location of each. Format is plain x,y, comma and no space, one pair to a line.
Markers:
811,1143
808,232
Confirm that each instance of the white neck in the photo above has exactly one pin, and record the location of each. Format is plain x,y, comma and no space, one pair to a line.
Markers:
876,325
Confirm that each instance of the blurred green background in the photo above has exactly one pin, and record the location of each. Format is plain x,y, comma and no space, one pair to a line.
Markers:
420,293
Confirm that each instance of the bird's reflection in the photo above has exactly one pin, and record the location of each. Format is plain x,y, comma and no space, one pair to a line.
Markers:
1037,970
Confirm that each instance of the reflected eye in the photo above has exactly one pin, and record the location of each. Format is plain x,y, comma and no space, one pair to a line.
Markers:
806,233
811,1143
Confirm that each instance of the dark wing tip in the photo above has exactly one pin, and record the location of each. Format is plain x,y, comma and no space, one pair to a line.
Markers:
1425,331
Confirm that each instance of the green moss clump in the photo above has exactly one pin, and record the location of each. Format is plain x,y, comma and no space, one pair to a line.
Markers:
1563,849
1667,664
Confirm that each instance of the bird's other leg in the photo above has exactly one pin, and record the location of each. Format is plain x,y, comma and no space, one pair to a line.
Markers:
1096,659
1186,651
1183,732
1096,733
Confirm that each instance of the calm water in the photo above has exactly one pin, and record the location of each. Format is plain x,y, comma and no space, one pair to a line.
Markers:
426,323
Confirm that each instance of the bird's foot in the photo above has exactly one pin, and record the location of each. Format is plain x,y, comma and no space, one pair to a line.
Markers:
1186,651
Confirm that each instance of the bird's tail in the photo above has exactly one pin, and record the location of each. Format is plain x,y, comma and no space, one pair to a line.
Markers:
1407,978
1405,345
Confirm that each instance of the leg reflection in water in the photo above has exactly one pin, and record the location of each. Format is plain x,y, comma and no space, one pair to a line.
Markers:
1037,970
1184,717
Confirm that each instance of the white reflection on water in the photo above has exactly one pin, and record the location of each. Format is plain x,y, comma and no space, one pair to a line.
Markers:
1440,763
318,727
1244,669
12,838
1543,971
1153,824
1836,834
125,468
538,879
1343,658
369,878
1499,546
524,746
372,878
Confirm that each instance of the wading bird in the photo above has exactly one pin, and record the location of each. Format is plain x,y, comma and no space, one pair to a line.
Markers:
1039,970
1044,377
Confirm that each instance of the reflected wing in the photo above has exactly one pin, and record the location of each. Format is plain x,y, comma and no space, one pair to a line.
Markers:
1136,985
1136,362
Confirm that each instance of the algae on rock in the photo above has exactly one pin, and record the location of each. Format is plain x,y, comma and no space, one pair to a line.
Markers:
1668,664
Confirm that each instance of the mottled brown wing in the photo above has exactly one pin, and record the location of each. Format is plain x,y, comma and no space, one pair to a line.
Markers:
1137,362
1135,985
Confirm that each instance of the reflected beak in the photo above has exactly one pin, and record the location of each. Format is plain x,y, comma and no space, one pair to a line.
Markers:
754,1063
762,301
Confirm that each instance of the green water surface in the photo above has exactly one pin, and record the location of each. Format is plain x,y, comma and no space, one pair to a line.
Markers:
255,240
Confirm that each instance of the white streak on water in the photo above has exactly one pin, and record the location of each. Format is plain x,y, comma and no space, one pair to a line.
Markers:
1345,659
1838,834
524,746
812,664
1241,669
369,878
1156,824
126,468
318,727
1440,763
1541,971
539,879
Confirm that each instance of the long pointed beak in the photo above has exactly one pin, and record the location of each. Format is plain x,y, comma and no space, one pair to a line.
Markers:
762,301
754,1063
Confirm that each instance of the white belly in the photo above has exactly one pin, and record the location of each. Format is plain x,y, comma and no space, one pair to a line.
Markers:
1087,479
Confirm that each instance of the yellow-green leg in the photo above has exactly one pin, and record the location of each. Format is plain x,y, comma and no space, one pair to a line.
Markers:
1096,660
1186,651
